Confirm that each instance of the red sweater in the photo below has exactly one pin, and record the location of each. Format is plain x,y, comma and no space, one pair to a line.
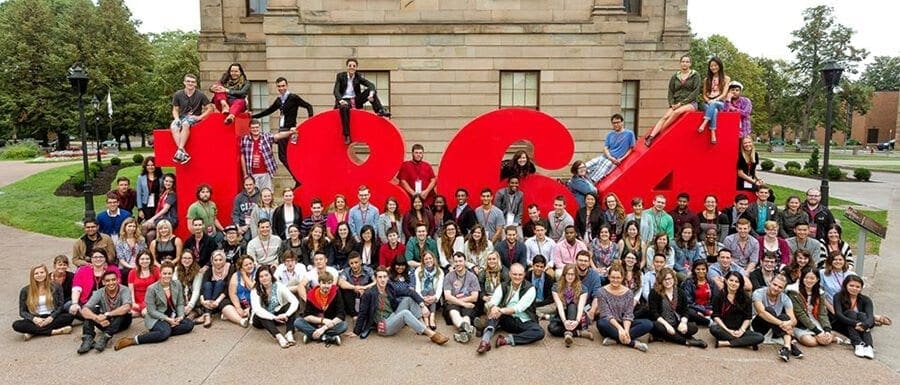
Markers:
387,255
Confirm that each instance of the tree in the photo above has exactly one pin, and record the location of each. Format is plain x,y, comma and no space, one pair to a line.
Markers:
820,39
174,55
780,100
883,74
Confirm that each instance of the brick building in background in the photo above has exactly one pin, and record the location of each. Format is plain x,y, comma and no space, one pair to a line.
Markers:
440,63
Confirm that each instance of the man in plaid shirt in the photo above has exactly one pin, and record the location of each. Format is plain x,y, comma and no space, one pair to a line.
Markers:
257,159
617,146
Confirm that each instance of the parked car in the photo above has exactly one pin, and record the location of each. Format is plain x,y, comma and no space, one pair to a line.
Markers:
889,145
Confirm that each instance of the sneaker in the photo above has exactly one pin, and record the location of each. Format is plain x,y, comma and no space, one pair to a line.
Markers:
185,158
568,339
461,337
335,340
305,339
468,328
87,343
859,350
641,346
608,341
586,335
795,351
702,344
245,322
27,336
784,354
869,352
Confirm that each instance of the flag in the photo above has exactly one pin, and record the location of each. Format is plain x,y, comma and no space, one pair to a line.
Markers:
109,104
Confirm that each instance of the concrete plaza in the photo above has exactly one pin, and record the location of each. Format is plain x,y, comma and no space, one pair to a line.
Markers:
227,354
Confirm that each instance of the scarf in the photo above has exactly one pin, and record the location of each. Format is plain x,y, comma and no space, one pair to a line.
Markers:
235,83
321,300
428,282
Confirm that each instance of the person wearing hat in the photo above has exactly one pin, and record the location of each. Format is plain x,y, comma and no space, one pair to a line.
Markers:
233,244
734,102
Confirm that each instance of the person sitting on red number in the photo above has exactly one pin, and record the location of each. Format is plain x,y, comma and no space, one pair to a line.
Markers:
617,145
230,92
189,107
519,165
257,159
348,94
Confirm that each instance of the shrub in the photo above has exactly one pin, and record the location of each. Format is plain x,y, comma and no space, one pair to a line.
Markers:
813,163
115,161
22,150
798,172
792,165
852,142
767,165
77,180
779,170
835,173
862,174
137,159
95,168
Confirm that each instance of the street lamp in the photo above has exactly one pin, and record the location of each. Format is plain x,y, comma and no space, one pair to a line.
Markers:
831,75
79,80
96,104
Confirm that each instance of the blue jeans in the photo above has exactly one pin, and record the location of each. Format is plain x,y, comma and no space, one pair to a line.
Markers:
639,327
308,329
212,290
712,113
161,331
406,313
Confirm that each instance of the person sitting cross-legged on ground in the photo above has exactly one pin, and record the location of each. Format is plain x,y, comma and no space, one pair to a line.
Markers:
165,311
669,308
775,311
615,312
511,308
570,297
732,315
273,304
41,305
323,317
390,307
108,309
461,291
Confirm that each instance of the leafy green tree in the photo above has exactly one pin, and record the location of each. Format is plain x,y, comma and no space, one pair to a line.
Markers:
820,39
883,73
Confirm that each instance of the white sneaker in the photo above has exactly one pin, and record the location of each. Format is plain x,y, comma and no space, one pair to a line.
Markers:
869,352
608,341
640,346
859,350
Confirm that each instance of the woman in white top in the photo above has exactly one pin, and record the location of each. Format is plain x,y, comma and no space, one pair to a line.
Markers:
449,243
189,273
273,304
429,282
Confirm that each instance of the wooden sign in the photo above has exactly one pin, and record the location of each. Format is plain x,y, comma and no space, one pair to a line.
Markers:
865,222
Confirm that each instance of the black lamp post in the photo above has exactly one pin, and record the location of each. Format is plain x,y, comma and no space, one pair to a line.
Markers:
831,74
79,80
96,104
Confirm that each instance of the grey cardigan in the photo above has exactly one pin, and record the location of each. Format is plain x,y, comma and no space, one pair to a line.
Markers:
156,302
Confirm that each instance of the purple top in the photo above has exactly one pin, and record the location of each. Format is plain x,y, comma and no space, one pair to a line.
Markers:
620,308
743,106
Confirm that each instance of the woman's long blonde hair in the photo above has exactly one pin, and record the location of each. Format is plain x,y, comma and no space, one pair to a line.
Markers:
576,284
35,289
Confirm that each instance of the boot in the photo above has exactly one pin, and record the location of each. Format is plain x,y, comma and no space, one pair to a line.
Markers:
123,343
87,343
100,345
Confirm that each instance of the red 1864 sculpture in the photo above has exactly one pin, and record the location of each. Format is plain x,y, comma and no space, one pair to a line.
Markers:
680,160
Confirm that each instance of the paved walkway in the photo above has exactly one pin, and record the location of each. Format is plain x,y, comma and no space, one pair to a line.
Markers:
228,354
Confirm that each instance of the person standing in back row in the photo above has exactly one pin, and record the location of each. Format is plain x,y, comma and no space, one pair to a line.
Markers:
287,103
348,94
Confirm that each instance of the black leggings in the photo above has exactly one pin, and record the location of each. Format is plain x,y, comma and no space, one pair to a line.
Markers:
659,331
762,326
856,337
557,327
27,326
749,338
271,326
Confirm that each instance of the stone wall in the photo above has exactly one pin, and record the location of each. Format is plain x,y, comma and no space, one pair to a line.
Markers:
445,56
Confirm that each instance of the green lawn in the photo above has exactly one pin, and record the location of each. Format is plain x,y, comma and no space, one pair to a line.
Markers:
29,204
805,155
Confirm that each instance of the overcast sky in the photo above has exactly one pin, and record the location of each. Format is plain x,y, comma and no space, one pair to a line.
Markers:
758,27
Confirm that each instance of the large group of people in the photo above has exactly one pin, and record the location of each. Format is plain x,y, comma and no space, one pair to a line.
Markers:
495,272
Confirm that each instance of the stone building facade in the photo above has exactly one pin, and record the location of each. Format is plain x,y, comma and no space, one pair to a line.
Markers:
440,63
